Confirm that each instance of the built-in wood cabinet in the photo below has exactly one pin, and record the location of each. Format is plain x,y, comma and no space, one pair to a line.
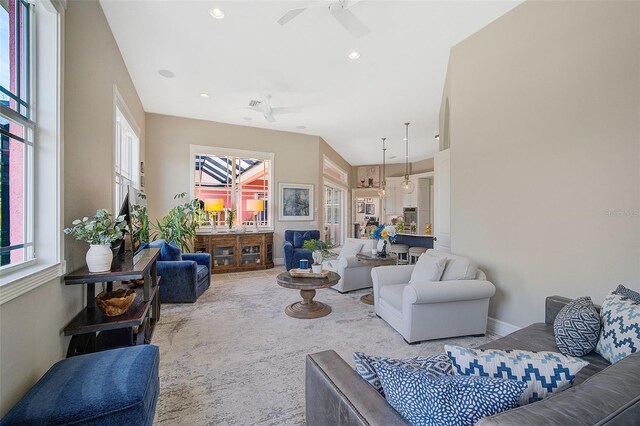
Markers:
235,252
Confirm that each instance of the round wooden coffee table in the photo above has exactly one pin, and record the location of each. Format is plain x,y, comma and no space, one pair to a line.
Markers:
307,308
373,259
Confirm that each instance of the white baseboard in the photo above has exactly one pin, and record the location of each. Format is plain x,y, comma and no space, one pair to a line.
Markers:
500,328
278,261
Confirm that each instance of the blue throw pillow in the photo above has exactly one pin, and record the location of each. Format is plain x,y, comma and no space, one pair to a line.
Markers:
433,366
170,252
577,327
300,237
447,400
620,336
544,372
629,294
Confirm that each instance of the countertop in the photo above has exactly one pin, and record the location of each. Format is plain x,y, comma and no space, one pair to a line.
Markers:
415,235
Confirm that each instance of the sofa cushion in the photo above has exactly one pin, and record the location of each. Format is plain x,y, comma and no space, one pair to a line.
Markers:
544,372
350,248
629,294
620,335
433,366
428,268
392,294
447,400
457,267
114,387
300,237
170,252
201,272
577,327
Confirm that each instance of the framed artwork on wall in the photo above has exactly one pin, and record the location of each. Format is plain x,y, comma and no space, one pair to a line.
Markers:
296,201
370,209
360,205
369,200
368,177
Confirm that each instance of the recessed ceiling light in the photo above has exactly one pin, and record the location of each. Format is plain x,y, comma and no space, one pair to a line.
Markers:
204,95
217,13
166,73
247,118
354,55
301,127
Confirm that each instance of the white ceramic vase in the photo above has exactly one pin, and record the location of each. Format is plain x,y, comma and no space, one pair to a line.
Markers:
99,258
316,269
380,245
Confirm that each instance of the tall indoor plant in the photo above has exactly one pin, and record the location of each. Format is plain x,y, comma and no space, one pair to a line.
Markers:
180,224
99,231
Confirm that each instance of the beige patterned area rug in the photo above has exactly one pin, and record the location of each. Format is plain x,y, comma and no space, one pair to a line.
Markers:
235,358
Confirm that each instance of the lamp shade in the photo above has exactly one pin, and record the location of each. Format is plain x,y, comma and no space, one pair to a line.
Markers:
255,205
213,204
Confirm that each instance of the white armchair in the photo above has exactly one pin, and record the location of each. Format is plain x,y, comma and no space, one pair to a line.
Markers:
433,309
354,275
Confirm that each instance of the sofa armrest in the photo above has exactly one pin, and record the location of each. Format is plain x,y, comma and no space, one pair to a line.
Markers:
181,269
553,305
349,262
389,275
447,291
336,395
203,259
288,254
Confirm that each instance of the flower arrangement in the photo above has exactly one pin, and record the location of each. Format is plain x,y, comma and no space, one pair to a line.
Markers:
383,232
321,250
100,229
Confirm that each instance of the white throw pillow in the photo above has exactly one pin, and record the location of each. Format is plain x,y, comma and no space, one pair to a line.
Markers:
350,248
428,268
457,267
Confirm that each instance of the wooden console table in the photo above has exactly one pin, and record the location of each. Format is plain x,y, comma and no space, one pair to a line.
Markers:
91,330
234,252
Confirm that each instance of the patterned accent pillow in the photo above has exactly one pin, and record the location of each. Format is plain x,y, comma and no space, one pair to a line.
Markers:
620,336
629,294
432,366
577,327
543,372
447,400
300,237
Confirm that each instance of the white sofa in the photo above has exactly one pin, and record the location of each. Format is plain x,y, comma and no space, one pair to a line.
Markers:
455,306
354,275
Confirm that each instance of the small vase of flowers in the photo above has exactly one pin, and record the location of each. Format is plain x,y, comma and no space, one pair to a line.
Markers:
99,231
384,234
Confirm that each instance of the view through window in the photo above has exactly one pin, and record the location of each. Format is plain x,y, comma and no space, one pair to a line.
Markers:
127,171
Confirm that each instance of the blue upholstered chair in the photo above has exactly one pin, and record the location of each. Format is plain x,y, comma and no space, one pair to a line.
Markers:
185,276
293,250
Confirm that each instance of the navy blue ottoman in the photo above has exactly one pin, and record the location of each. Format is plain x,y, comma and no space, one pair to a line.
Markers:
114,387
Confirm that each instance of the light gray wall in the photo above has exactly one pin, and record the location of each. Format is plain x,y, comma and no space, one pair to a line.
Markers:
168,167
545,142
31,325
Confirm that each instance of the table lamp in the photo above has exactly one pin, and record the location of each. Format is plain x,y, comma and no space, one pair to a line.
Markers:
213,205
255,206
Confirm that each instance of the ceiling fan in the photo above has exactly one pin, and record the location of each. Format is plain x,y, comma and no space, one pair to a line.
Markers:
269,112
340,10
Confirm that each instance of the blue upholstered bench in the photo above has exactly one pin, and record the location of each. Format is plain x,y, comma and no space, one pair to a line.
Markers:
114,387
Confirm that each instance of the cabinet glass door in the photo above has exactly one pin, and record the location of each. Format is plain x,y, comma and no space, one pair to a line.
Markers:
224,255
250,254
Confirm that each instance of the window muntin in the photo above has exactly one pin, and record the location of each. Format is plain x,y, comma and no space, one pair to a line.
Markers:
16,135
234,179
334,216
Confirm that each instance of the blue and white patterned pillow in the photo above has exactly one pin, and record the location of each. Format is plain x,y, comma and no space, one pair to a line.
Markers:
543,372
620,336
433,366
446,400
629,294
577,327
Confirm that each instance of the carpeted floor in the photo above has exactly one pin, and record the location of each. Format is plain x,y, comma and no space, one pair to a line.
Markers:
235,358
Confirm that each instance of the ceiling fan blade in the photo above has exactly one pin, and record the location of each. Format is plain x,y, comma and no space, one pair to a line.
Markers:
270,118
258,109
350,22
286,110
290,15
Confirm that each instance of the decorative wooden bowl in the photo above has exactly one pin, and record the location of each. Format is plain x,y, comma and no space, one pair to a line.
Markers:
115,302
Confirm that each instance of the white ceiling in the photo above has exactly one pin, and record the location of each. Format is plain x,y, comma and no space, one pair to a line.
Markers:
351,104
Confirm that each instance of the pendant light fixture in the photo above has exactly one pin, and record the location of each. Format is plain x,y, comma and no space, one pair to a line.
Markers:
382,192
406,187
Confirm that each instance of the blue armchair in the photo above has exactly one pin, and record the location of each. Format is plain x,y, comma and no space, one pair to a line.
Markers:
182,280
293,250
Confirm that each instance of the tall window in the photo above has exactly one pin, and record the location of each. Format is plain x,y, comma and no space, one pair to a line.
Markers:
127,172
334,214
234,178
16,134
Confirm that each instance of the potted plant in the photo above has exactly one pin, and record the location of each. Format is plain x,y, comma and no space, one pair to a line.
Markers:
230,217
140,221
180,224
321,250
99,231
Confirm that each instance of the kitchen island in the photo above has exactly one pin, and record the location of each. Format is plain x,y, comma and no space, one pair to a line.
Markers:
415,240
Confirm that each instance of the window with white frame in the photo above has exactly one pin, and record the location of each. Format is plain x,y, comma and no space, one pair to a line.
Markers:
233,179
16,134
127,161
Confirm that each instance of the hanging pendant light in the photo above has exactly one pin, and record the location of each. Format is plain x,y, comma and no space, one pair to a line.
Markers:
382,192
406,187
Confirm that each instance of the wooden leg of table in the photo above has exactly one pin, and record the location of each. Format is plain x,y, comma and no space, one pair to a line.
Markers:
308,308
367,298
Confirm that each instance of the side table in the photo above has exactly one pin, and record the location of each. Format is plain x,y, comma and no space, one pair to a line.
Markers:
374,260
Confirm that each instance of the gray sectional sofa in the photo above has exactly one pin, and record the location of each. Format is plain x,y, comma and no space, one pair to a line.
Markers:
601,394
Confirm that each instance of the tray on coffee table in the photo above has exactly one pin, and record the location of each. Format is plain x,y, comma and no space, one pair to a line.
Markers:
302,273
